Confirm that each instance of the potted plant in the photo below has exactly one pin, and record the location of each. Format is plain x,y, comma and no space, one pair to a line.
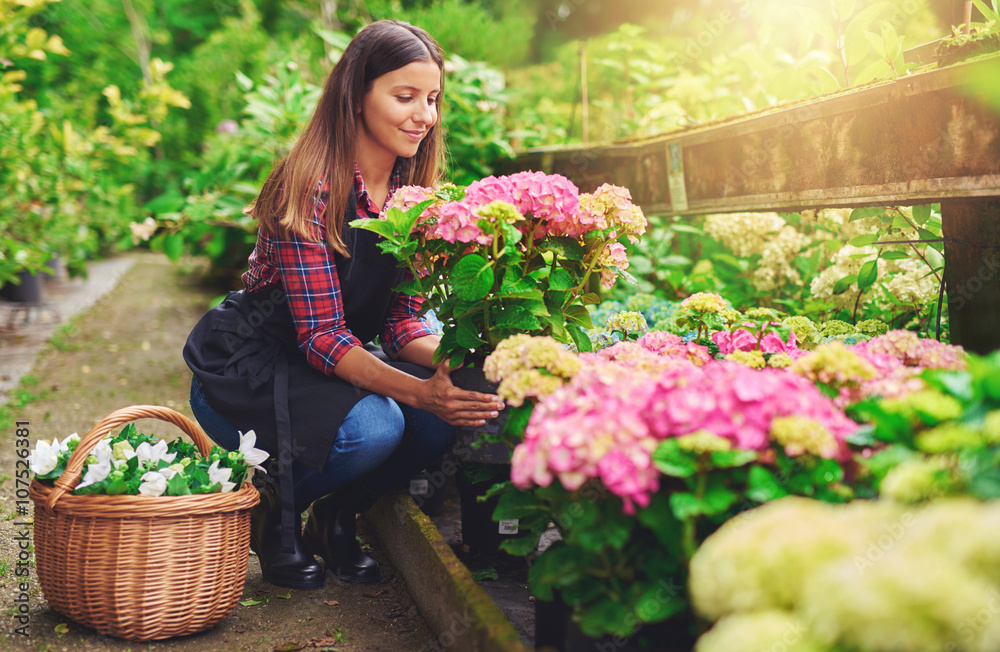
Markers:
507,255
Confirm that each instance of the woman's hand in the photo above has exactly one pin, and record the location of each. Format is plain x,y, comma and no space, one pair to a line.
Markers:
458,407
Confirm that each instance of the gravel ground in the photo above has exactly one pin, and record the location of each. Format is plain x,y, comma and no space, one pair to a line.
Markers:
123,351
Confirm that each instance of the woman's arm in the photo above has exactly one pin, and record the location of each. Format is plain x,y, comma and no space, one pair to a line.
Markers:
437,394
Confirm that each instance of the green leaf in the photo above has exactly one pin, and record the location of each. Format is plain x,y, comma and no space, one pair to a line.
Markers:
718,499
177,486
671,460
731,459
657,605
467,334
604,615
868,274
381,227
863,213
988,12
580,338
762,485
685,505
517,318
249,603
472,278
560,279
900,222
579,315
173,246
895,255
844,284
568,248
488,573
863,240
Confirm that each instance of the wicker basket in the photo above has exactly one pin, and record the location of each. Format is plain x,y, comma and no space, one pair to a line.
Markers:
141,567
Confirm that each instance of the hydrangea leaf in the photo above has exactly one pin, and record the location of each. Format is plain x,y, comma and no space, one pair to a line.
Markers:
472,278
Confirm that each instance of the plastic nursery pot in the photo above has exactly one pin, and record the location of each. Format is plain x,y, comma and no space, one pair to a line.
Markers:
473,379
29,290
479,531
429,488
556,631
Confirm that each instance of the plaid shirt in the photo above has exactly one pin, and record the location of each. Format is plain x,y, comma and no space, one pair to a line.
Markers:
308,272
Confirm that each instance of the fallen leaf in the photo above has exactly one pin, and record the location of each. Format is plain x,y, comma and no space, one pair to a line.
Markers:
284,597
332,603
62,628
373,595
487,573
290,646
322,642
249,603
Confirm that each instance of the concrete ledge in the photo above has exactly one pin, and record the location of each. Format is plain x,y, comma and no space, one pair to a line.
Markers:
454,606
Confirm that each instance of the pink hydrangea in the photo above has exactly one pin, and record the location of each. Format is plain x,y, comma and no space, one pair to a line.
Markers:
743,340
672,346
457,223
607,422
914,351
614,255
407,197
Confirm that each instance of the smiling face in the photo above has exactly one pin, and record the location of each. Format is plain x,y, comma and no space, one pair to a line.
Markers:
399,111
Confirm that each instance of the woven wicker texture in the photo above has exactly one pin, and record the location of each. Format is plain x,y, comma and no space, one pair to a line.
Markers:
141,567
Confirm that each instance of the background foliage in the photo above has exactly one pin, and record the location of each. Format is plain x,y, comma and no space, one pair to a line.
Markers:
212,93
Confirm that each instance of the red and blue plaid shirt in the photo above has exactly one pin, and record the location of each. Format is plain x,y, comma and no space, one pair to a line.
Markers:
308,272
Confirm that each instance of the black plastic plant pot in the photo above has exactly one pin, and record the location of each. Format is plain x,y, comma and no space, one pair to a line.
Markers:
429,488
29,290
555,630
467,446
479,531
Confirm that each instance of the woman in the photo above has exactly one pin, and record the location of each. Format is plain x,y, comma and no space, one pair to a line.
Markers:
286,357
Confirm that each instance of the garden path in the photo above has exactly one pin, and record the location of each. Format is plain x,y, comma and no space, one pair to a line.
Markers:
126,350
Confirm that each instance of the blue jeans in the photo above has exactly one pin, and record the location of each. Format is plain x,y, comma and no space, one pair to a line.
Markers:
380,444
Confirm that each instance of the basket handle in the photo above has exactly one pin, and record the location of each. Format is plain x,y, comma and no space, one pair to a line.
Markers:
66,482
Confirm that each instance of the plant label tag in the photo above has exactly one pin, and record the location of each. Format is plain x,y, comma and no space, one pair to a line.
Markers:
508,527
675,177
419,487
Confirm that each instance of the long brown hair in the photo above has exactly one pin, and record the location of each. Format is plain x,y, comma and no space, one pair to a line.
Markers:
326,148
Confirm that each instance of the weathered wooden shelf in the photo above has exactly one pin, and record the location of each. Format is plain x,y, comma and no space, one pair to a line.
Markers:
919,139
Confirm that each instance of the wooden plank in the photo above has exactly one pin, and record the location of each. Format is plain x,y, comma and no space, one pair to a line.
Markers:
971,229
914,140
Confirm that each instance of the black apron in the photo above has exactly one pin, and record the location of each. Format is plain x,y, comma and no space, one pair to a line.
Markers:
245,353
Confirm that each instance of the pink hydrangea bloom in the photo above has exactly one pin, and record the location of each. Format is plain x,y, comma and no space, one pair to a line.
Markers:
607,422
743,340
914,351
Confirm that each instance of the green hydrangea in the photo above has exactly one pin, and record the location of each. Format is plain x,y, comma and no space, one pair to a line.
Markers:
752,359
629,322
950,437
869,576
703,441
836,328
806,334
919,479
500,211
762,313
873,327
639,302
924,407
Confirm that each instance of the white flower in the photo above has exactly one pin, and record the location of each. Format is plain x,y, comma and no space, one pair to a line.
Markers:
153,454
142,231
169,472
44,458
154,483
215,474
96,473
64,446
252,456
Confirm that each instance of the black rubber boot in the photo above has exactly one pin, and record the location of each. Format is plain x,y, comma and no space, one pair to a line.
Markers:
331,533
295,569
